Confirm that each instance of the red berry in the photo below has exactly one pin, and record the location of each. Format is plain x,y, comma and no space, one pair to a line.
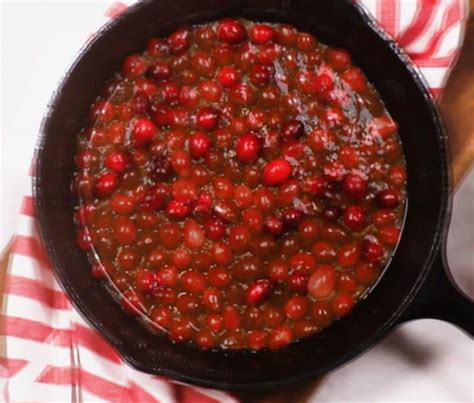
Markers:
354,218
296,308
248,147
292,130
232,318
280,337
194,282
207,119
117,160
193,234
132,303
257,340
145,281
177,210
133,66
342,304
298,282
159,71
276,172
143,132
339,59
261,74
260,34
180,40
389,235
292,217
354,184
231,31
331,213
228,76
125,231
388,198
274,226
315,185
382,126
122,204
199,144
355,78
239,238
106,185
372,252
167,276
322,282
322,84
259,291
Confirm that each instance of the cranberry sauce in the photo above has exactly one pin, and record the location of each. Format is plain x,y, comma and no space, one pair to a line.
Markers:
240,183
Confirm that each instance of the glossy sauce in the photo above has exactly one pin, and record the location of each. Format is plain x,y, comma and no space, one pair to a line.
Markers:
240,183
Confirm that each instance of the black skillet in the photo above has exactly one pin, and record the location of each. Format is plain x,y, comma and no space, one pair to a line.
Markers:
416,283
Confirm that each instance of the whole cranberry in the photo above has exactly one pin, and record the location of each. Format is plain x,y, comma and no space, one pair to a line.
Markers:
248,147
331,213
231,31
199,144
298,282
388,198
106,185
159,71
261,74
292,217
274,226
180,40
143,131
133,66
117,160
207,119
372,252
322,282
292,130
228,76
259,291
260,34
177,210
315,185
354,185
162,169
276,172
354,218
214,228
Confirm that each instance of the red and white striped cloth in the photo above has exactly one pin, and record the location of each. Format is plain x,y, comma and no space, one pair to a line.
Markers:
53,355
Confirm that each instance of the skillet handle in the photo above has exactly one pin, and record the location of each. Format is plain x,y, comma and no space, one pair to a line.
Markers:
440,298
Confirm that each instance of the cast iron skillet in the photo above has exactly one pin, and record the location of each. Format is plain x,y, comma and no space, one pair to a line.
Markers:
416,283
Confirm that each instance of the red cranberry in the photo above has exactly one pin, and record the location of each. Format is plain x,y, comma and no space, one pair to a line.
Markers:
322,282
162,169
261,74
259,291
388,198
280,337
185,191
354,218
274,226
324,252
106,185
117,161
349,255
157,46
193,234
84,240
159,71
122,204
143,132
239,238
298,282
228,76
292,217
366,273
222,254
132,303
194,282
199,144
322,313
389,235
278,270
342,304
243,196
334,171
124,230
162,317
372,252
354,184
315,185
248,147
207,119
331,213
292,130
276,172
133,66
170,235
257,340
180,40
177,210
203,206
231,31
355,78
339,59
296,308
260,34
145,281
214,228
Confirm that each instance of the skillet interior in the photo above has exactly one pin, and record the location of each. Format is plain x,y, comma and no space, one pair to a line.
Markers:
337,23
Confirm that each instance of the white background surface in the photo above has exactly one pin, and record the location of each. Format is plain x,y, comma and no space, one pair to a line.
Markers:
422,361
